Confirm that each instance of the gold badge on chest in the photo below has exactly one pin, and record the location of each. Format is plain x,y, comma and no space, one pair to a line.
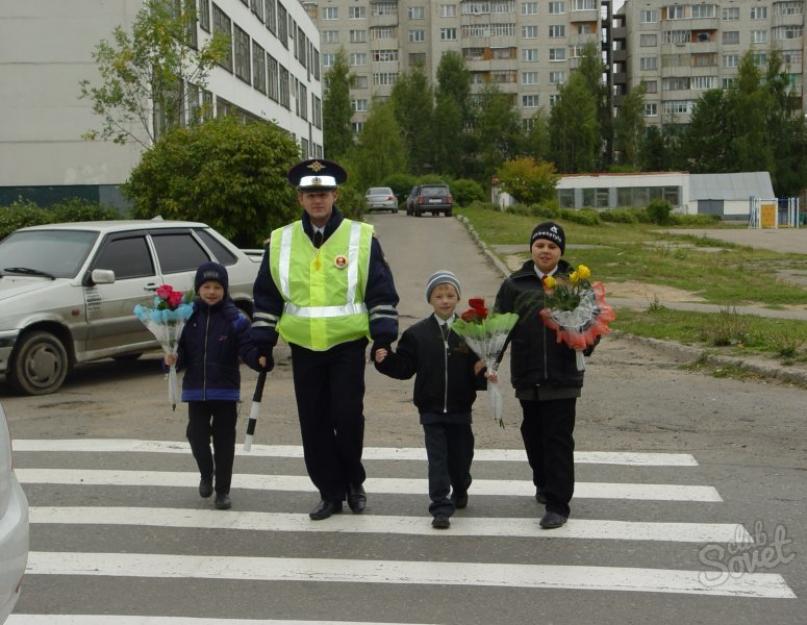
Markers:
340,262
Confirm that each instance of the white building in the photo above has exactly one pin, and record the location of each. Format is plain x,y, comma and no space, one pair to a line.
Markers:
46,50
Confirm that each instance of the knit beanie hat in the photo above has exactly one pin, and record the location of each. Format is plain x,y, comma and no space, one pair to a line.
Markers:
441,277
211,271
549,230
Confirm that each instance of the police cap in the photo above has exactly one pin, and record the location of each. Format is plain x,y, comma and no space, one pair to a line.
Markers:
316,174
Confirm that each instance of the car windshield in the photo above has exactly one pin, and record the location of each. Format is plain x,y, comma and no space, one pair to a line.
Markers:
434,191
58,253
379,191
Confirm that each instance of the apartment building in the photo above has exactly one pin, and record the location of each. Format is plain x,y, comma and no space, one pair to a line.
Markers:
679,50
272,73
525,47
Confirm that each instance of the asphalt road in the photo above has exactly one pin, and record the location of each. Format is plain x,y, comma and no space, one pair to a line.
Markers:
719,453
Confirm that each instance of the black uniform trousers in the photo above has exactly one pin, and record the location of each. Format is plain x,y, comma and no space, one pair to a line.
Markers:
216,418
450,451
329,387
547,433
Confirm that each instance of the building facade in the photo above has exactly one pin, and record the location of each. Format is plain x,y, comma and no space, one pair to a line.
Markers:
525,47
678,50
273,74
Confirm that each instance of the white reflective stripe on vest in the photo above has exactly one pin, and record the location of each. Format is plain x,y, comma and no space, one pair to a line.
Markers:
309,312
353,262
285,260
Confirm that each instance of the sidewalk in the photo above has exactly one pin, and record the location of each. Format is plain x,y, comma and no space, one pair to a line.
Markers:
758,365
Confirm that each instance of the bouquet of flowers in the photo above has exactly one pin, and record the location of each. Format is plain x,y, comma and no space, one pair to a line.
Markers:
165,320
576,310
486,334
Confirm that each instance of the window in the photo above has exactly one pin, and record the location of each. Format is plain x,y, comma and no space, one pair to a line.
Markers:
503,6
257,8
731,37
316,111
553,99
557,54
650,86
529,55
704,60
382,33
178,252
648,41
676,36
359,106
385,78
678,107
475,8
204,15
759,13
330,36
416,13
759,58
448,34
789,8
529,78
360,81
270,15
557,78
128,257
241,46
730,14
222,24
282,25
529,101
385,56
759,36
417,59
675,12
328,59
529,8
731,60
385,8
285,98
675,84
781,33
258,68
702,83
584,5
330,13
648,16
557,8
702,11
357,127
448,10
302,101
221,253
557,31
357,58
648,63
272,84
791,57
358,36
357,13
417,35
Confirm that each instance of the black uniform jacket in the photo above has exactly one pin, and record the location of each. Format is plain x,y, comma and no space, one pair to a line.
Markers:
536,358
445,380
380,295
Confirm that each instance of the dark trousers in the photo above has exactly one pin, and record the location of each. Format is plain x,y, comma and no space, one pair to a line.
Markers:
216,419
329,387
450,450
547,432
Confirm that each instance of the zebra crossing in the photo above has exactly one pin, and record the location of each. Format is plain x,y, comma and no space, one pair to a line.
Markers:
90,528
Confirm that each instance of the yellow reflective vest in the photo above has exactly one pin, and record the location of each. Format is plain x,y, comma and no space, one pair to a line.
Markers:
322,289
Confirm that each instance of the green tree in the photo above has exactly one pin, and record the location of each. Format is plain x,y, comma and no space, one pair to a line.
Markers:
527,180
497,131
413,104
454,114
710,134
379,150
229,174
629,127
537,141
593,70
574,136
141,90
336,113
448,136
454,82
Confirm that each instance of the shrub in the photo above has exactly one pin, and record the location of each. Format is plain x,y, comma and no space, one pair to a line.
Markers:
520,209
659,211
584,216
20,214
351,202
483,205
400,184
620,216
548,210
77,209
466,191
694,220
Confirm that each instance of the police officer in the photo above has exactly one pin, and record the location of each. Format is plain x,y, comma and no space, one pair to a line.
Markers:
324,287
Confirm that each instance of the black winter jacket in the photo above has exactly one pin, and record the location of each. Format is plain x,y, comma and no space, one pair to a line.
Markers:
445,383
540,367
209,347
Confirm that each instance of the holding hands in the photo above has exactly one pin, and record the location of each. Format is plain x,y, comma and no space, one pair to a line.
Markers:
170,359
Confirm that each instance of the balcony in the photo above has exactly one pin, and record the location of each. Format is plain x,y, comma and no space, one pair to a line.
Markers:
701,23
384,20
619,55
590,15
788,20
619,33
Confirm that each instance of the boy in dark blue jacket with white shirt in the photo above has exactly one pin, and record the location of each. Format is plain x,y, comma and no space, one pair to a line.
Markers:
447,375
214,337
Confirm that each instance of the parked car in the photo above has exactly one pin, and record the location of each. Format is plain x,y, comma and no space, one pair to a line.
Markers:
67,291
381,198
13,526
429,198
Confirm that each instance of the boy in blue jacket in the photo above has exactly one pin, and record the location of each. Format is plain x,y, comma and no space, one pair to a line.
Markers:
215,335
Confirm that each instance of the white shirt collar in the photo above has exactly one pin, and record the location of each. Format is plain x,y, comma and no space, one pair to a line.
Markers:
444,322
542,275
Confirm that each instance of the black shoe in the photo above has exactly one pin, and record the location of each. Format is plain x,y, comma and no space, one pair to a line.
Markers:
552,520
539,495
356,498
460,501
205,487
324,509
223,501
441,522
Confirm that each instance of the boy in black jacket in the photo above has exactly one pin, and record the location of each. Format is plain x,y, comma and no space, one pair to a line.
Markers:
447,374
213,338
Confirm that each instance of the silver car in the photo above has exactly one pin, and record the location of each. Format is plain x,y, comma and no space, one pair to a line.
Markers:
13,527
381,198
67,291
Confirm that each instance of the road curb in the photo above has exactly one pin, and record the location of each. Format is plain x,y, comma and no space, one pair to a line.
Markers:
683,353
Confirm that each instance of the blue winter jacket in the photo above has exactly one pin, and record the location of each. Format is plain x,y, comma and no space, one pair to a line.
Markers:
209,348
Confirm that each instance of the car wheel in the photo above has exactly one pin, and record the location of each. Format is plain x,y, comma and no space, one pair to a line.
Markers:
40,364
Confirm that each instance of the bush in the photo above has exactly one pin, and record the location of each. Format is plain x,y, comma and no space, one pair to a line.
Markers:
466,191
694,220
20,214
520,209
548,210
620,216
483,206
401,184
77,209
583,216
659,211
351,202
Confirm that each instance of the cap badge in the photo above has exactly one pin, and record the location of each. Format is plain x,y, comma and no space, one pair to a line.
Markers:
340,262
316,166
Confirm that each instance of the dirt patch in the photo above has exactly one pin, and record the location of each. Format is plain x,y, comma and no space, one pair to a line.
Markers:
641,290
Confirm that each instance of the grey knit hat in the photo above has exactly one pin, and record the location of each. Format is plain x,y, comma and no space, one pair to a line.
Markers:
441,277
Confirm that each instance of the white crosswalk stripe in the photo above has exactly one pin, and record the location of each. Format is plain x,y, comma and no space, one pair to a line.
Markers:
67,481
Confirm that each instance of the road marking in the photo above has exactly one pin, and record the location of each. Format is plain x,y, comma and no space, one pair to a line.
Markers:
583,490
116,619
103,445
759,585
701,533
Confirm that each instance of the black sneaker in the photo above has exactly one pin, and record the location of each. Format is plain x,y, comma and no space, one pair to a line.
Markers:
205,487
441,522
223,501
552,520
460,500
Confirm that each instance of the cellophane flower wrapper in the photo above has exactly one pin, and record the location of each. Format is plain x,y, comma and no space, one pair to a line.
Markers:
486,337
166,325
581,327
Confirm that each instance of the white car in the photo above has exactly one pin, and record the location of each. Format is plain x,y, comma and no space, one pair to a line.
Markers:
381,198
67,291
13,527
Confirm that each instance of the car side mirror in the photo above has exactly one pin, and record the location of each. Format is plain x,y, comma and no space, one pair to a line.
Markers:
102,276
